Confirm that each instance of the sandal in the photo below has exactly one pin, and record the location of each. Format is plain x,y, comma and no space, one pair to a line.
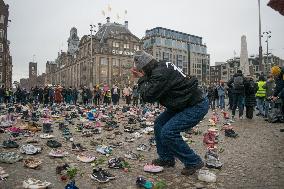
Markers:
35,184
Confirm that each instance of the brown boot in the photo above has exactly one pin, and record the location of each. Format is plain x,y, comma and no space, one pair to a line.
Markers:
191,170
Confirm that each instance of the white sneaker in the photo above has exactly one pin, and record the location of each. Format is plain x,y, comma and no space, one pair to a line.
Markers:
206,176
153,168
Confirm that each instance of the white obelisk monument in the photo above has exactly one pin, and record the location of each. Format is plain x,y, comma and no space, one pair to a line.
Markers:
244,63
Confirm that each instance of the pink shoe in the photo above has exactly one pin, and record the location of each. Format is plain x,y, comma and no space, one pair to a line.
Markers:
153,168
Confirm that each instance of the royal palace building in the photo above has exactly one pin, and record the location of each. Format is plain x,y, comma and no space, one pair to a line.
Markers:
103,58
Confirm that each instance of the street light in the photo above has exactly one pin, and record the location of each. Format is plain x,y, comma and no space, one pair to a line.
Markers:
267,35
92,65
259,37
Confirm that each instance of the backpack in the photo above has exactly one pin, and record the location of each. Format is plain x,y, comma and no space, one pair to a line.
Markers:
251,87
238,82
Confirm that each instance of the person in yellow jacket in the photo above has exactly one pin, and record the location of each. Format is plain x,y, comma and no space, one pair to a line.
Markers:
260,96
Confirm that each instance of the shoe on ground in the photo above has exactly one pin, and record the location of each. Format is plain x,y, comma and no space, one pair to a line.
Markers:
153,168
10,144
142,182
108,174
32,163
116,163
192,169
212,162
35,184
86,158
230,133
206,176
163,163
53,144
99,176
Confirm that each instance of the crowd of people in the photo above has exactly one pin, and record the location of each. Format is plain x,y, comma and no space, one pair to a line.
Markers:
98,95
245,93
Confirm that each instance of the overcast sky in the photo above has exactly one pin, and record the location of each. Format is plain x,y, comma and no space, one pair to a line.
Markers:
41,27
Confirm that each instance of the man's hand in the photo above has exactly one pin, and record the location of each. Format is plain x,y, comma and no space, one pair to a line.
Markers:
274,98
137,73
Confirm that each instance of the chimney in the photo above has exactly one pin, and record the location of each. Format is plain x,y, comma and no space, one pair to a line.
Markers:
100,25
126,24
108,19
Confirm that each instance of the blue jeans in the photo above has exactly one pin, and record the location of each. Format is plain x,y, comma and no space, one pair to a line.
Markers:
167,128
238,101
222,102
260,105
267,105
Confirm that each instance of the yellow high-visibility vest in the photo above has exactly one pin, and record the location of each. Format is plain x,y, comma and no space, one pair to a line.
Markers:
261,91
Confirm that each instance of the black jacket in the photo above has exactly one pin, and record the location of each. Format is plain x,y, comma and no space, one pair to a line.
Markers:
251,88
231,85
170,87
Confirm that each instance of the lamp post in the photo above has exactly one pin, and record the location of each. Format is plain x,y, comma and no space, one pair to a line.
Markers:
92,29
267,35
259,38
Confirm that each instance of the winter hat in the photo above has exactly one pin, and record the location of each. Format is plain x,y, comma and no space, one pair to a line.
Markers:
275,70
141,59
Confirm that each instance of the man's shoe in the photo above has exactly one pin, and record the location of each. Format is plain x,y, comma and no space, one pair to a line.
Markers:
192,169
164,163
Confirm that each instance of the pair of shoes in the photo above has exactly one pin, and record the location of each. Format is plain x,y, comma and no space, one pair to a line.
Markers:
78,147
53,144
29,149
116,163
143,147
32,163
142,182
10,144
164,163
153,168
35,184
86,158
230,133
192,169
101,175
212,161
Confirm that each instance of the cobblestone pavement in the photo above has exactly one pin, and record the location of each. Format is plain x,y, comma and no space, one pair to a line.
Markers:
253,160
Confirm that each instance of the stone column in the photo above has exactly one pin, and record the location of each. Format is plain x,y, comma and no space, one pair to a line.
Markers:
244,64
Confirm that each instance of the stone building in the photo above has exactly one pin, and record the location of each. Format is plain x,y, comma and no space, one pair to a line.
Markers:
5,57
104,58
186,51
225,70
34,79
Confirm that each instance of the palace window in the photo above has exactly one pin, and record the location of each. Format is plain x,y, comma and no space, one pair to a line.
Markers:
1,47
115,44
2,18
1,33
126,46
136,47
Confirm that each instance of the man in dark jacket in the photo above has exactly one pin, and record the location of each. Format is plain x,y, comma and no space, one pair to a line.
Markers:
165,83
238,92
250,100
278,74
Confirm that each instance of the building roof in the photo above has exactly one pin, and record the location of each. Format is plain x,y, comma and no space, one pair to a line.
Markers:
109,30
174,31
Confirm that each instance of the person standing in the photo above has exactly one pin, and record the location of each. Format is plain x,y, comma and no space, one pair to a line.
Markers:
269,90
221,95
115,93
2,94
250,100
135,95
165,83
238,92
278,74
127,91
211,97
260,96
